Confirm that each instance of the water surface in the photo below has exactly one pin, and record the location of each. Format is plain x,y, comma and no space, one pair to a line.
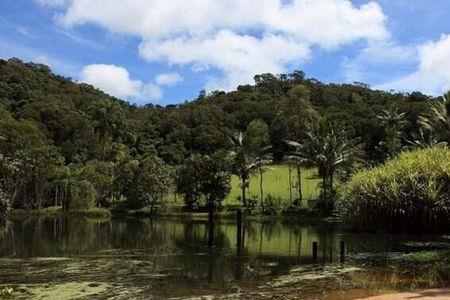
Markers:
168,258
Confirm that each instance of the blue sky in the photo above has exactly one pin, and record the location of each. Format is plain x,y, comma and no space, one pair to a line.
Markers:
167,51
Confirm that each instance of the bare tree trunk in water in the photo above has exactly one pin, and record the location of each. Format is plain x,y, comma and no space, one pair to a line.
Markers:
290,184
261,187
299,178
244,200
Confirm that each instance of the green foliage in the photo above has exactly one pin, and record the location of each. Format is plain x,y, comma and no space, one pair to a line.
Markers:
271,206
248,154
411,191
27,162
109,123
151,182
101,175
82,195
55,133
204,180
437,119
392,121
327,148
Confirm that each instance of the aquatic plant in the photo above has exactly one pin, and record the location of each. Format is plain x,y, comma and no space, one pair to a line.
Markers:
411,192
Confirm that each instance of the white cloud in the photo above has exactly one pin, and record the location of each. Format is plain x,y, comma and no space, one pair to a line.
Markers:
433,72
325,22
168,79
238,38
152,91
377,55
116,81
240,57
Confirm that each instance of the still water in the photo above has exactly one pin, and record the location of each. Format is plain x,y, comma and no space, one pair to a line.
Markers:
168,258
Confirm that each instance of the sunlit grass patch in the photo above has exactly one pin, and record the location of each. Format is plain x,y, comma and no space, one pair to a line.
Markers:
276,183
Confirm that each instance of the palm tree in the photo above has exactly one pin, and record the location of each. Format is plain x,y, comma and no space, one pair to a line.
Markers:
392,121
423,139
437,121
110,119
249,154
327,149
245,162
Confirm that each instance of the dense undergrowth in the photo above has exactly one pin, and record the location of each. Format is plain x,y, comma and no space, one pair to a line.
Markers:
410,192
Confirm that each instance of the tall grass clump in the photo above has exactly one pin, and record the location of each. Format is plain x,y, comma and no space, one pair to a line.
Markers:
410,192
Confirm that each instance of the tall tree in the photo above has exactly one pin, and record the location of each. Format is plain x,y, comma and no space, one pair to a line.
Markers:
327,149
204,180
247,153
109,118
150,183
392,122
437,120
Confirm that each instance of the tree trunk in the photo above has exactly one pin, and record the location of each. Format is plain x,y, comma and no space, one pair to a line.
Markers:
290,184
324,183
65,205
261,187
244,200
331,182
299,178
56,196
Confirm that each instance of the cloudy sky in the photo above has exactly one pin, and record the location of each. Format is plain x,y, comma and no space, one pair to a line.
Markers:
166,51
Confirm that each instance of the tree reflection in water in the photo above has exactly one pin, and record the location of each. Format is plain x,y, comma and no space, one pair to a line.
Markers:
186,254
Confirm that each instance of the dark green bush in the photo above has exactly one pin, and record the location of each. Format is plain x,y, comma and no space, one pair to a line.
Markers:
82,195
410,192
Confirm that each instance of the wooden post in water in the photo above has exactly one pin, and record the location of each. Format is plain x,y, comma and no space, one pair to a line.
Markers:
238,270
239,230
211,228
314,250
342,251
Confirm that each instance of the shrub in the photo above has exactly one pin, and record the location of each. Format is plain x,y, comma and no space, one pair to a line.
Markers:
82,195
271,206
410,192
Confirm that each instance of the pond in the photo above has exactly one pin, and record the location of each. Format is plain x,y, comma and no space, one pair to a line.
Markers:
63,258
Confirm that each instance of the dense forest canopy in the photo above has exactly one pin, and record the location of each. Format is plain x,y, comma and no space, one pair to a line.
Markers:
60,138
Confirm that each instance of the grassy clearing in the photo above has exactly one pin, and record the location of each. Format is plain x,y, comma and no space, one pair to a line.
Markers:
276,183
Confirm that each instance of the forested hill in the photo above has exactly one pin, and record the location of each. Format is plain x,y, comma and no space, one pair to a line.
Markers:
83,123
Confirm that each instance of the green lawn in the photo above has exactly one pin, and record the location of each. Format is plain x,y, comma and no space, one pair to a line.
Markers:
276,183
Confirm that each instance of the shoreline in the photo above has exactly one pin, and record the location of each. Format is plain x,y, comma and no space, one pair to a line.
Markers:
106,213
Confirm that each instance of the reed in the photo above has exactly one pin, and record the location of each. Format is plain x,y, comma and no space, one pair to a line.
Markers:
410,192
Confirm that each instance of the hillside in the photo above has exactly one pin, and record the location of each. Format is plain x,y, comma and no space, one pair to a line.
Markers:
70,144
65,112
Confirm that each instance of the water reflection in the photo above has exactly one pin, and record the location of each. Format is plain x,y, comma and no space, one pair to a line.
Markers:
191,252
